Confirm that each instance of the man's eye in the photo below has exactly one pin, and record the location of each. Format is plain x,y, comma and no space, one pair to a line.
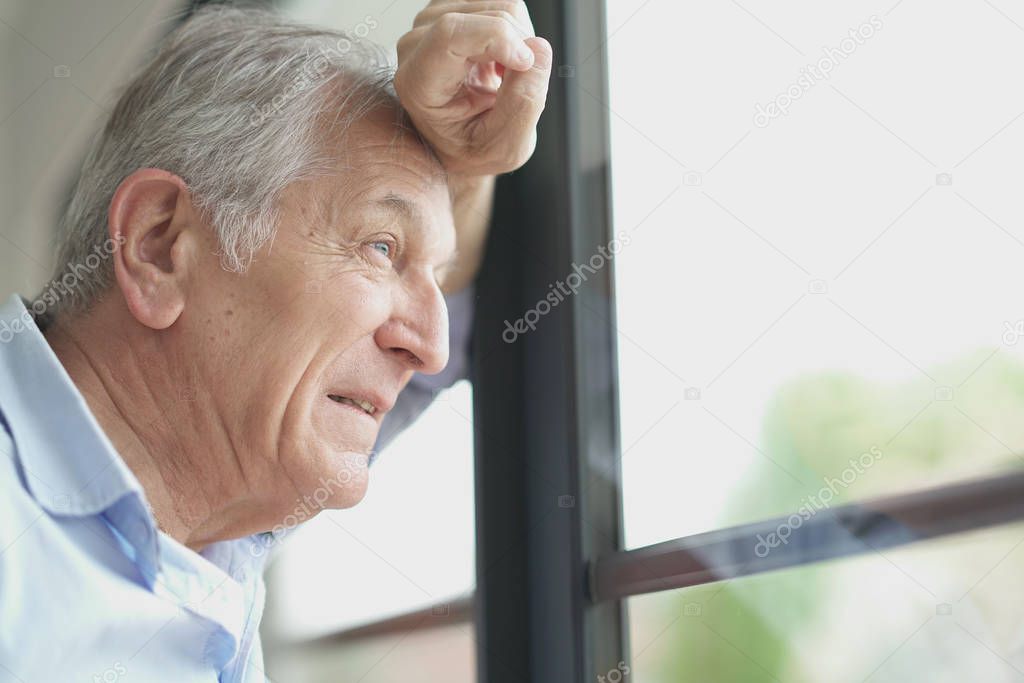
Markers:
382,247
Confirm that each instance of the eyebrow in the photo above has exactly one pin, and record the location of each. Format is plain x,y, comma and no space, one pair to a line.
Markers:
410,212
398,204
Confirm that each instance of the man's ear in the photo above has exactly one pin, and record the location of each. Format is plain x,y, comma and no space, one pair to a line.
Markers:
152,219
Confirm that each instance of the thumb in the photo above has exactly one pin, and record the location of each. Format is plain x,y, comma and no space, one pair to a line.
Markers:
520,100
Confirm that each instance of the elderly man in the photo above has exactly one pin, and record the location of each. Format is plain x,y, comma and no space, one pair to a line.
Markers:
253,274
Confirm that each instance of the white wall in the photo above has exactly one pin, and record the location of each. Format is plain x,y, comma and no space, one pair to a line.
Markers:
47,117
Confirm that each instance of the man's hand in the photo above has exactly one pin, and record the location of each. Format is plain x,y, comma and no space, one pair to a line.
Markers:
474,78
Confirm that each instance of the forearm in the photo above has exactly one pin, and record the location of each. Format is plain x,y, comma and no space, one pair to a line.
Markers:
472,200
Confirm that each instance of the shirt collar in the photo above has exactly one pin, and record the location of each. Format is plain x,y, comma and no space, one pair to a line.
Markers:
70,466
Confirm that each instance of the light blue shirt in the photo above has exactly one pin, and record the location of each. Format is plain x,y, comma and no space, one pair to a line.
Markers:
90,588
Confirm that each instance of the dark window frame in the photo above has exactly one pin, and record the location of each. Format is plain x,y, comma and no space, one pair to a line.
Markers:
546,413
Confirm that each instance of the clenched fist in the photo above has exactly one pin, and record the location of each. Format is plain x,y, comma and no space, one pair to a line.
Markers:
474,78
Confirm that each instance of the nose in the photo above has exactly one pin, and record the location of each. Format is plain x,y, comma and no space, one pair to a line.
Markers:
416,334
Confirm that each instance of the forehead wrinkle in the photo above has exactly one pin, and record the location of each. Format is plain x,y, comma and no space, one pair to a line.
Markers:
360,174
337,196
394,203
334,205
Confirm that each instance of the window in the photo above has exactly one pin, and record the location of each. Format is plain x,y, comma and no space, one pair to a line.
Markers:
935,611
767,429
818,306
841,276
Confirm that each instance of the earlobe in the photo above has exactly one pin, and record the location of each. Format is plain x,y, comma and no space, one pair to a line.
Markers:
152,220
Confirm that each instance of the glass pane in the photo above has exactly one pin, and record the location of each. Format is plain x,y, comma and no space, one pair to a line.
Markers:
824,293
945,611
443,654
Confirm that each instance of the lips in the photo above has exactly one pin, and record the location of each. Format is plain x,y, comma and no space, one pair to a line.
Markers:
369,403
365,406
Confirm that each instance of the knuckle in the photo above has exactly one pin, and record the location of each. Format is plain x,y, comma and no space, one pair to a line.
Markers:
405,42
431,12
524,106
520,29
510,30
522,15
512,9
422,17
508,18
447,24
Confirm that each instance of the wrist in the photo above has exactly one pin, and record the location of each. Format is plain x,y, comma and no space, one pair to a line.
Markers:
467,185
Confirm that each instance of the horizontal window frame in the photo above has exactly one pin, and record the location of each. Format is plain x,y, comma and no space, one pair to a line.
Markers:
832,533
438,615
855,528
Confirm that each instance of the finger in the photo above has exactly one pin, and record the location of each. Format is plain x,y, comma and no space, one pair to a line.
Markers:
513,11
520,102
523,29
437,64
485,36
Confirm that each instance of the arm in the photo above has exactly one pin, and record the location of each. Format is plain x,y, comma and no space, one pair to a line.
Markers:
474,81
473,197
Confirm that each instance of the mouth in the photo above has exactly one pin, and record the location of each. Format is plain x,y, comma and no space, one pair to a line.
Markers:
356,403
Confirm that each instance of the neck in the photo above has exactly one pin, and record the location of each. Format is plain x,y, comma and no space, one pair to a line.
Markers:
127,379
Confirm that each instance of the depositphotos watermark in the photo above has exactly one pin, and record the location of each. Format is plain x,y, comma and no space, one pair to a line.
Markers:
813,504
112,674
1012,332
616,675
812,74
311,504
313,70
57,289
563,289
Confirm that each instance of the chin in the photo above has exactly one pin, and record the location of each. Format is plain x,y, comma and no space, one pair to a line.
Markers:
328,460
341,480
328,479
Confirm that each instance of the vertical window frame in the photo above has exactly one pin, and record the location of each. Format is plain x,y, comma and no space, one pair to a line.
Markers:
546,402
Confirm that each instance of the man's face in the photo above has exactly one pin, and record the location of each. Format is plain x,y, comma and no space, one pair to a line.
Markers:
332,318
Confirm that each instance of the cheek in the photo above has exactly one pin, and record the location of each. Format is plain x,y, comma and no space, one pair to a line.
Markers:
320,448
353,306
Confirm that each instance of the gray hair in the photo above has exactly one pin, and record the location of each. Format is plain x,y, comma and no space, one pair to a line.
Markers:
239,103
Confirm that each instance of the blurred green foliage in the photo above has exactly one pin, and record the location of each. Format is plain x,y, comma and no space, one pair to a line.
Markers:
783,626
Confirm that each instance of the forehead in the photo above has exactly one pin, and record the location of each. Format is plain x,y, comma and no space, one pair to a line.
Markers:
387,136
380,163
